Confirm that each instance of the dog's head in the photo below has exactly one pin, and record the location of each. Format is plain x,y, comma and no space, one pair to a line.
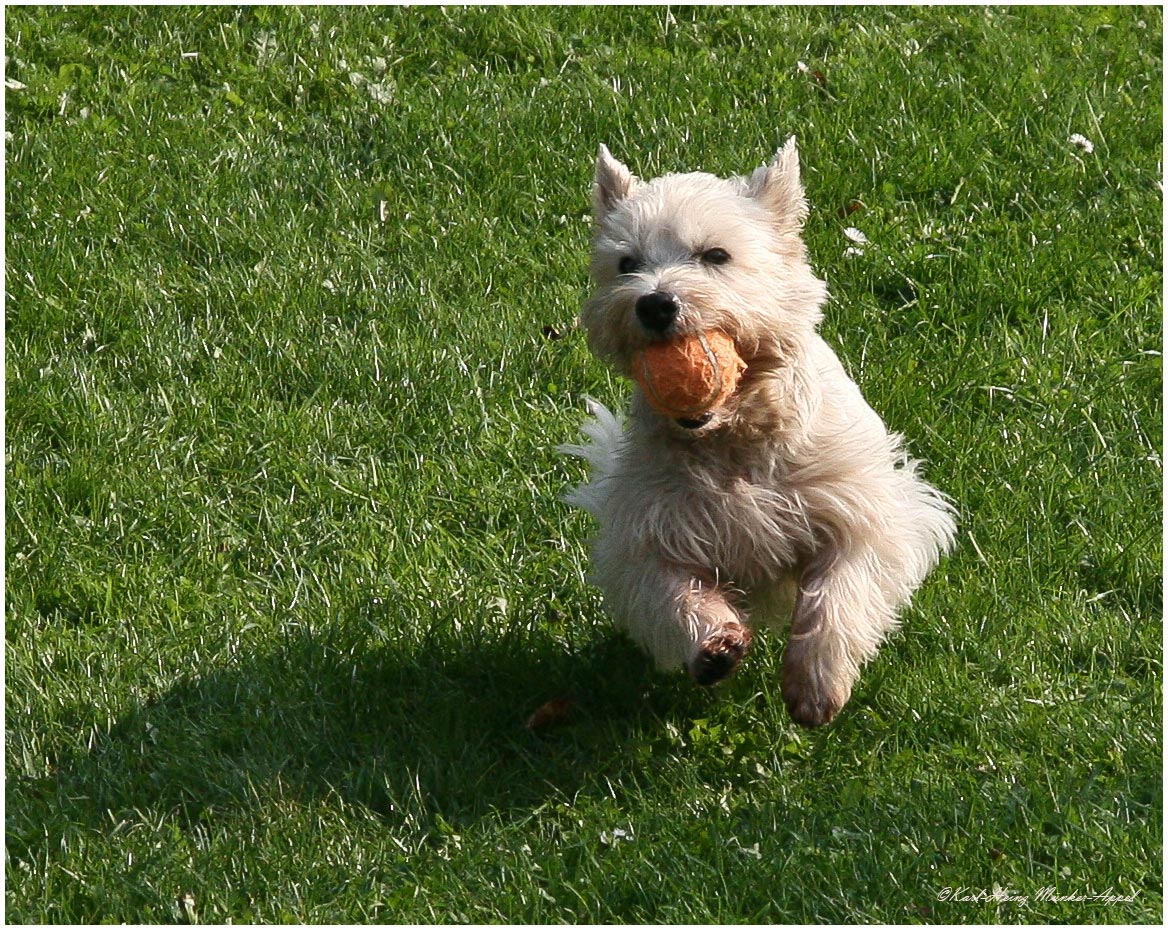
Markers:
686,253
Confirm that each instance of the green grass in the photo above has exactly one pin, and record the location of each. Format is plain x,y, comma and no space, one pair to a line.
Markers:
289,346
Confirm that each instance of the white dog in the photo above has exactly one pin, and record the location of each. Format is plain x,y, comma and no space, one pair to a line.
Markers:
791,498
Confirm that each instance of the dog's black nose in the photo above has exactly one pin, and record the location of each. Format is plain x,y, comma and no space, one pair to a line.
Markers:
656,311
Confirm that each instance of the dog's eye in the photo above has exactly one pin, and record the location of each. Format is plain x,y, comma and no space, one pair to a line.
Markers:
628,264
715,256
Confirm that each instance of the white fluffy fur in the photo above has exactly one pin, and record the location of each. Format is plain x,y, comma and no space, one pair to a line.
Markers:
793,492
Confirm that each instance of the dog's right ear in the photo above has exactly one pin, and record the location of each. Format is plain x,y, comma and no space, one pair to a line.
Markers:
777,187
612,183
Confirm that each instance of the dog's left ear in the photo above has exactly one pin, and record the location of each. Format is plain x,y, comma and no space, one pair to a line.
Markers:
612,183
778,188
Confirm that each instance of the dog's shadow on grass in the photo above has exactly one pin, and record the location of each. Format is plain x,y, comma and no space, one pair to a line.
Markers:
427,735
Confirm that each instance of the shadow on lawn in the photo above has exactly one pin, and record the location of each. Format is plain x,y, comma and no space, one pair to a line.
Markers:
433,737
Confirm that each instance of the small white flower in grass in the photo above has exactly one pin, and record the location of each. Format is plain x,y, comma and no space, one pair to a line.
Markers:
380,93
616,836
860,240
802,66
1082,142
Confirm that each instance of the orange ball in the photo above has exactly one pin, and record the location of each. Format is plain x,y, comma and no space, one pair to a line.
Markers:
687,377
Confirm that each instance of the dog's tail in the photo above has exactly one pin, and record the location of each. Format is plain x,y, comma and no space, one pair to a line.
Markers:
605,434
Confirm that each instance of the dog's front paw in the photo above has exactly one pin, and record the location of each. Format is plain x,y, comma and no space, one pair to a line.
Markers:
720,654
813,696
809,708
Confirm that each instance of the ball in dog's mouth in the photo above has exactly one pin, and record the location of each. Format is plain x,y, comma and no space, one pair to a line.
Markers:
689,377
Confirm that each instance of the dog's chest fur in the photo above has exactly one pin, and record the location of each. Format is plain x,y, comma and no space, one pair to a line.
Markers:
742,519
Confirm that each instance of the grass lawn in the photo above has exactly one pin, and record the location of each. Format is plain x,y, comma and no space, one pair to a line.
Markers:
289,345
